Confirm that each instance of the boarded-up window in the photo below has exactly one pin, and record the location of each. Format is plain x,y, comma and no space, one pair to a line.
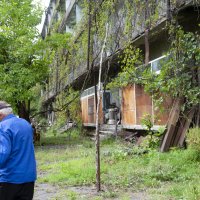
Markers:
91,110
91,105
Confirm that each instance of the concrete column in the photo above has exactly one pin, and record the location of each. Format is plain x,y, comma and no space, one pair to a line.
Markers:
78,13
67,4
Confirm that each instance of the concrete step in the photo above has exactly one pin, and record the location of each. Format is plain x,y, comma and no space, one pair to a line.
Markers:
108,132
101,137
106,127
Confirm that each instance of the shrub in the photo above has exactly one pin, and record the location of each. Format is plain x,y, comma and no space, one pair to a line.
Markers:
152,139
193,138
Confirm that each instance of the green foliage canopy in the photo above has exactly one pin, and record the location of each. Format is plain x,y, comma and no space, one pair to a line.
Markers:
21,62
180,72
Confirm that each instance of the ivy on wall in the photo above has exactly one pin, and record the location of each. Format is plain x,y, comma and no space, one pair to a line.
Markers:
124,21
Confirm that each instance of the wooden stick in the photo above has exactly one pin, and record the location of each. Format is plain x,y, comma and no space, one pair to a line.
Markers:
186,126
171,126
97,141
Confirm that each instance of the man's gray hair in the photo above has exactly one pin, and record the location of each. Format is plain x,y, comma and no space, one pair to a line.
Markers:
6,111
5,108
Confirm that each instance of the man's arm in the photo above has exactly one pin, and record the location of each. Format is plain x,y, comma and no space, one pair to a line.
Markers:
5,147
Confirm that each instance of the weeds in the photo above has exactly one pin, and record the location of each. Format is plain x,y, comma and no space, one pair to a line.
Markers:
193,138
173,174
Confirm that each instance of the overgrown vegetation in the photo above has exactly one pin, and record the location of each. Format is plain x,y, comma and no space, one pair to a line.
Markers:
178,72
193,139
83,51
125,170
22,63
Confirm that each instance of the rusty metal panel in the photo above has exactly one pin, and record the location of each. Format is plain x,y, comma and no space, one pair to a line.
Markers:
91,109
143,103
88,110
128,117
136,103
100,112
84,109
128,105
161,115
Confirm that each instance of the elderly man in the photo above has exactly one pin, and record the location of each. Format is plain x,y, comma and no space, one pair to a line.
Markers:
17,158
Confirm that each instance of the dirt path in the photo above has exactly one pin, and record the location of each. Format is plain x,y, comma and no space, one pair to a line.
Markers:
44,191
47,191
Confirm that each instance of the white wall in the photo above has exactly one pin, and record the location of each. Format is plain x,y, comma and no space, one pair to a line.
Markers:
79,13
67,3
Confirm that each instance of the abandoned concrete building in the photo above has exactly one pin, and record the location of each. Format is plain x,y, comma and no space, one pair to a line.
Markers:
132,101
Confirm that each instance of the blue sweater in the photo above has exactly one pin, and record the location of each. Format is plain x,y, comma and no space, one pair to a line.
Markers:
17,157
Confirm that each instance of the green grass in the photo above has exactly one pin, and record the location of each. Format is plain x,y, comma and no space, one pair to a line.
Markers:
74,172
172,175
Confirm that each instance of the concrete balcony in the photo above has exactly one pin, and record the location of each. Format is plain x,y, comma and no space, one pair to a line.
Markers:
69,6
137,37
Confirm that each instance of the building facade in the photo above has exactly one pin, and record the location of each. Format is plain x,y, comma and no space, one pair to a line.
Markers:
128,23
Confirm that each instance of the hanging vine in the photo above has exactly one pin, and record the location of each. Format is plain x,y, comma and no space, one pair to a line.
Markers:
126,22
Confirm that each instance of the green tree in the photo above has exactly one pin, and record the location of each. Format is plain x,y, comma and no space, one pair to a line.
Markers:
179,76
22,64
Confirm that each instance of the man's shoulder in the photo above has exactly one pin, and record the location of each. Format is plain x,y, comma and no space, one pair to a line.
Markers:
15,121
22,121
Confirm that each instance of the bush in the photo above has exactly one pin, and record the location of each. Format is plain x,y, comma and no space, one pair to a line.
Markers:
152,140
193,138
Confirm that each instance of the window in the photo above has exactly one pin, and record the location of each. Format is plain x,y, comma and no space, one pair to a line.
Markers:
156,64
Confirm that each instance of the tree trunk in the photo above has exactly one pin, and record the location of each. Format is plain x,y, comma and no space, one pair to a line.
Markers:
89,35
185,126
146,46
198,109
24,110
146,33
169,16
57,73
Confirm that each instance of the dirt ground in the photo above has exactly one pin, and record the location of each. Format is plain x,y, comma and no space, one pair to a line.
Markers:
45,191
